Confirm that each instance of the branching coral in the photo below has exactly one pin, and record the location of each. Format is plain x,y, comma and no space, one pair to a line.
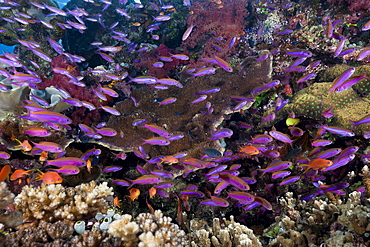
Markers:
156,230
309,223
54,202
221,235
59,234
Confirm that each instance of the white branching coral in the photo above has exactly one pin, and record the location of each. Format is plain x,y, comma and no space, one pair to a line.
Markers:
124,228
304,223
232,234
55,202
149,230
10,219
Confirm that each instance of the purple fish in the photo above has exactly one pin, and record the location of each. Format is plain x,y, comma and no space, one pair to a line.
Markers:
349,83
342,78
200,99
346,52
299,53
328,153
339,163
147,179
110,110
306,77
235,181
49,116
73,161
162,18
213,90
338,130
121,182
187,32
280,136
157,141
242,197
112,168
222,133
364,53
277,165
205,71
4,155
215,201
280,174
290,180
106,132
192,193
339,48
167,101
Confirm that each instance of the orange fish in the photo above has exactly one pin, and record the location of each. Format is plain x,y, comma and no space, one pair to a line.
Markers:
169,160
26,146
71,68
4,173
43,156
317,164
117,202
249,149
134,194
19,173
152,192
50,177
88,166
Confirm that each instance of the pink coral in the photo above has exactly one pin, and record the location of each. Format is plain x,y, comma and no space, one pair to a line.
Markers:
215,25
168,68
81,93
354,5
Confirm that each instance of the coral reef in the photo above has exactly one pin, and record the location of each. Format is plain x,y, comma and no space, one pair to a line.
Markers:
59,234
148,230
183,117
319,221
8,218
51,203
226,234
210,22
312,101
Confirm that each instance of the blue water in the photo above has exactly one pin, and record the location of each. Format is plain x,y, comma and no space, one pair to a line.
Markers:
62,3
10,49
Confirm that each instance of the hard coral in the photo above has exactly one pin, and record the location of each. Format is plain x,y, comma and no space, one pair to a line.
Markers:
229,234
312,101
54,202
304,223
156,230
59,234
10,219
183,117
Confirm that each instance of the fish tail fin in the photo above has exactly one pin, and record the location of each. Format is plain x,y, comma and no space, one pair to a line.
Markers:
38,178
353,122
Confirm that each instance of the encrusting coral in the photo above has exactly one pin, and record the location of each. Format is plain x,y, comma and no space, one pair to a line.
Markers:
156,230
229,234
54,202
